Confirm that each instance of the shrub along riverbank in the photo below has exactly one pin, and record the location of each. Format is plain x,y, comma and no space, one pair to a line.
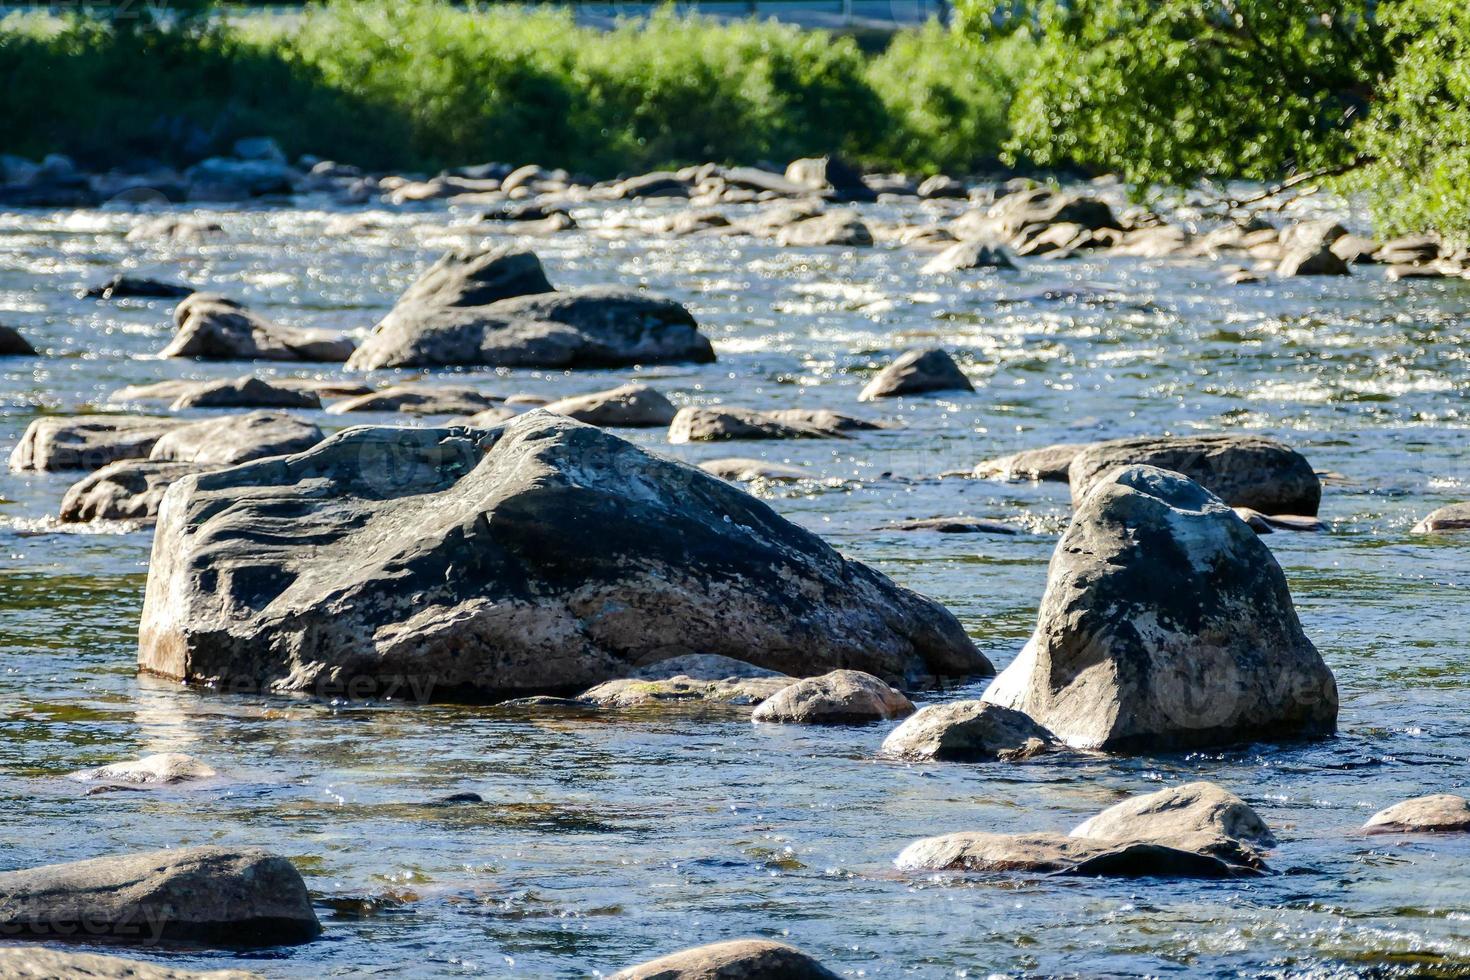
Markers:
422,85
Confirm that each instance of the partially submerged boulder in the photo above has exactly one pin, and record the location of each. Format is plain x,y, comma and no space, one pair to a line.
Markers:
497,308
845,228
232,439
917,372
1166,624
966,256
216,896
38,963
1309,261
12,344
87,442
460,561
160,769
638,693
1243,470
1451,517
1439,813
727,422
211,327
123,286
842,697
1198,807
420,399
968,731
740,959
128,490
246,392
1049,464
953,525
1188,856
744,469
632,406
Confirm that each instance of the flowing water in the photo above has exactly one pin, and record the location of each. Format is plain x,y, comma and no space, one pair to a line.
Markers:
605,840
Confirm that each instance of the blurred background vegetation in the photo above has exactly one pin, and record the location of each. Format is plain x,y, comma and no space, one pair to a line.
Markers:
1369,92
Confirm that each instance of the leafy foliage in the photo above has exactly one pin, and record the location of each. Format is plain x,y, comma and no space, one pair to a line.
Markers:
1175,90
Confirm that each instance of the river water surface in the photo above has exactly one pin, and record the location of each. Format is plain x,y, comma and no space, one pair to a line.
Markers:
609,839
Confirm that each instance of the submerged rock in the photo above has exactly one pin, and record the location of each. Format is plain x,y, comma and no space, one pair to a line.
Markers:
917,372
420,399
1048,464
727,422
246,392
968,731
702,666
964,256
635,693
123,286
842,697
128,490
743,469
1452,517
1243,471
1439,813
952,525
1166,624
632,406
211,327
12,344
87,442
497,308
232,439
217,896
740,959
1270,523
1187,856
162,769
37,963
1199,807
461,561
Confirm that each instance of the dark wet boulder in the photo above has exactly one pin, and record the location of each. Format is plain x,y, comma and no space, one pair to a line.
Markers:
1451,517
740,959
917,372
727,422
497,308
968,731
952,525
246,392
161,769
965,256
457,560
210,327
1049,464
87,442
232,439
744,469
215,896
420,399
1189,856
1304,261
127,490
632,406
123,286
841,697
844,228
40,963
1437,814
1193,808
1242,470
13,344
1166,624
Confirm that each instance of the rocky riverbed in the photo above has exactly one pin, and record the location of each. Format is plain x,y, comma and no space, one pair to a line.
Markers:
609,815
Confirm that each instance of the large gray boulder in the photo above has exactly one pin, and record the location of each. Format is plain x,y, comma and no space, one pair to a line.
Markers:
128,490
1166,624
211,327
87,442
739,959
967,731
246,392
842,697
216,896
632,406
1188,856
38,963
544,556
232,439
723,423
1242,470
498,308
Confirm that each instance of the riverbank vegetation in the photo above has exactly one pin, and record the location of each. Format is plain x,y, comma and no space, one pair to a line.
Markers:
1370,93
